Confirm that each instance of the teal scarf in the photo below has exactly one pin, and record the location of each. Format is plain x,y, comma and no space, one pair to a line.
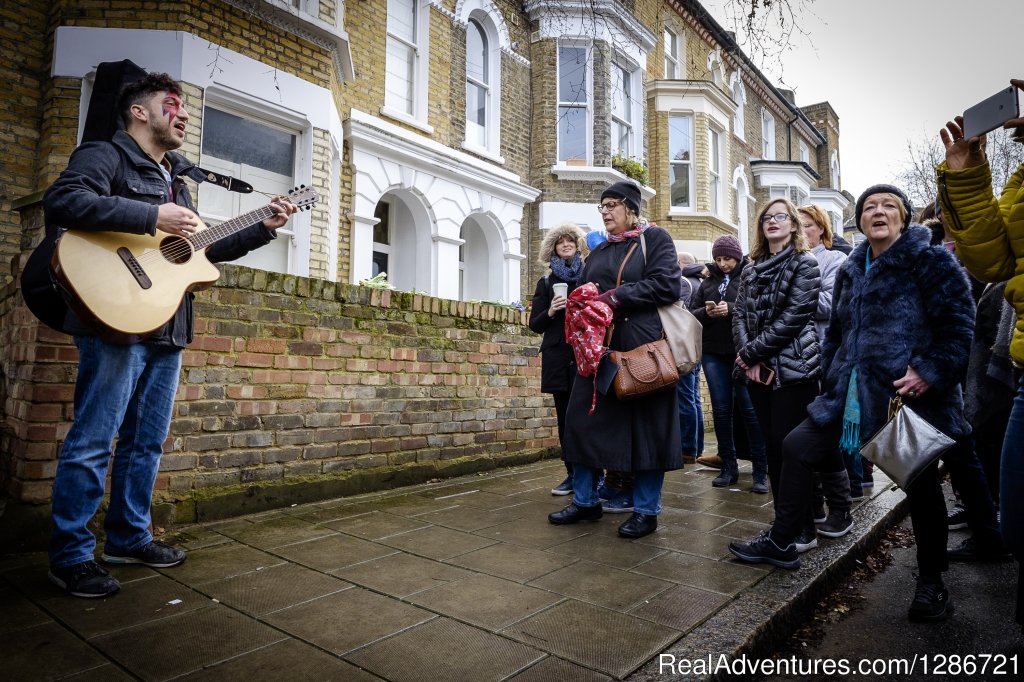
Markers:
850,442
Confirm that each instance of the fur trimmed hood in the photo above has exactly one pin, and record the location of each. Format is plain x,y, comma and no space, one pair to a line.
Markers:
554,234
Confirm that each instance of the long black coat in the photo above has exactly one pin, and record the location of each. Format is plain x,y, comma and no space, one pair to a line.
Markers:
717,330
633,435
557,363
913,307
774,322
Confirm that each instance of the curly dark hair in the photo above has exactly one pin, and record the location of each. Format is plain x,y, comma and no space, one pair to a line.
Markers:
134,93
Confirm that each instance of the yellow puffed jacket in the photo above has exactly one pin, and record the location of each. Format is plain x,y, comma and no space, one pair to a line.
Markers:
989,234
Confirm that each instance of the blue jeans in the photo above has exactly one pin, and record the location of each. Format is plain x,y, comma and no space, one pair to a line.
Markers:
125,391
1011,479
646,489
691,413
724,394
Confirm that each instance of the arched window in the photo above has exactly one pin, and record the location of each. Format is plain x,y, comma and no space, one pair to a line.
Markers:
483,84
478,89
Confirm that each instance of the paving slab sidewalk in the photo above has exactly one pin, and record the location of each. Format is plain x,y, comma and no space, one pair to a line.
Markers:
462,579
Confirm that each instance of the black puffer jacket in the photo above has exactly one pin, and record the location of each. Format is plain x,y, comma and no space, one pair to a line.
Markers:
774,322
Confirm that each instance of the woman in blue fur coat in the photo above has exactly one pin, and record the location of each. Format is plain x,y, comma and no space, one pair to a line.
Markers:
902,322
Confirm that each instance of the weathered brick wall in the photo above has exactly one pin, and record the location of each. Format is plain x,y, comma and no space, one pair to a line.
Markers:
293,380
22,70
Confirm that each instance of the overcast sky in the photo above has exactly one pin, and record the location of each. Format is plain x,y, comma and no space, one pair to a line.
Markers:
896,70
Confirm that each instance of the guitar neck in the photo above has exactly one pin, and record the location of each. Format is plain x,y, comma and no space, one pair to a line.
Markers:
214,234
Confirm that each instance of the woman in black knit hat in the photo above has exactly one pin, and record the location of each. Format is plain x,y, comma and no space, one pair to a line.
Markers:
640,436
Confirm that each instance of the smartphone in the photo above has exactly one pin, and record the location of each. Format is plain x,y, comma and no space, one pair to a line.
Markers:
991,113
709,304
767,374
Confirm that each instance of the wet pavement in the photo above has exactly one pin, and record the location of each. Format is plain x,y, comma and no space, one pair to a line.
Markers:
462,579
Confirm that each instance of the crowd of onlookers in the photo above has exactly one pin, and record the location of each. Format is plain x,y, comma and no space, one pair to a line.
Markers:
806,340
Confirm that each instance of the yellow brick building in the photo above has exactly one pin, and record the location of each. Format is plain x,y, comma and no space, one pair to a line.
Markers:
443,136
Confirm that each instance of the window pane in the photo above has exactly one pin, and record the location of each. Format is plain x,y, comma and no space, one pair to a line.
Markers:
476,53
239,140
572,75
572,133
399,76
621,93
680,141
476,114
621,138
716,161
680,188
380,263
402,19
382,230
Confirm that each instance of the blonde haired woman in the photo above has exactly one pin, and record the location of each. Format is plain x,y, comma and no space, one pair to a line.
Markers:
560,250
773,330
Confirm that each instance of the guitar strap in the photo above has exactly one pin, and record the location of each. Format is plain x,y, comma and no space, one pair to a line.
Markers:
226,181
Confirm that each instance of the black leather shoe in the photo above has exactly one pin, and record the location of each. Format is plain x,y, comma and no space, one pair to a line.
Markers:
573,513
638,526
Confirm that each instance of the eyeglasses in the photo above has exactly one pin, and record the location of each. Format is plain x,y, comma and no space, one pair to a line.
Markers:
778,217
608,206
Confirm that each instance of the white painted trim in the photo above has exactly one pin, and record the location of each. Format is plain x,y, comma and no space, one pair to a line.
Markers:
702,97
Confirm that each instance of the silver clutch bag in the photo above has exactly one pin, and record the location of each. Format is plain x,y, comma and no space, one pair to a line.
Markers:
906,445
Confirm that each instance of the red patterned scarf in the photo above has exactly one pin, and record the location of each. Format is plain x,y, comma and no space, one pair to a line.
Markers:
586,322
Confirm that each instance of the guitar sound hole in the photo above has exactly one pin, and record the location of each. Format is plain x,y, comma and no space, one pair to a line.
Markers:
176,250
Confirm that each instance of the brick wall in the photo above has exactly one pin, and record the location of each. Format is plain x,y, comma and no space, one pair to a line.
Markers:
298,388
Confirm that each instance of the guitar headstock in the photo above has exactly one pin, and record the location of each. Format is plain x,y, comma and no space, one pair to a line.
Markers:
303,197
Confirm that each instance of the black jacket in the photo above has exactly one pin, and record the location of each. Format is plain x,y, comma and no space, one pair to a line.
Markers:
557,363
717,336
774,320
116,187
629,435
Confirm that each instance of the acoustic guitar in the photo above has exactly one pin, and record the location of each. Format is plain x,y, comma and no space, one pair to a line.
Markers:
131,284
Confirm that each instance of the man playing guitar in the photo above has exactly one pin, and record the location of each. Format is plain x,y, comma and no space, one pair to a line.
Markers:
132,184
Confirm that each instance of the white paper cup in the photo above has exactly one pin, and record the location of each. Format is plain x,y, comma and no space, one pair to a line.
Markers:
560,289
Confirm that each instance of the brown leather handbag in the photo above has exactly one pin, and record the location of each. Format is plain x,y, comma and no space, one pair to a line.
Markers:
646,369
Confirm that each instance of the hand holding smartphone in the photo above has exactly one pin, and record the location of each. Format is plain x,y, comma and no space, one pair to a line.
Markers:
765,375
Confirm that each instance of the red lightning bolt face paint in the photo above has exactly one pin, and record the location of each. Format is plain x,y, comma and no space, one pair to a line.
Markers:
171,106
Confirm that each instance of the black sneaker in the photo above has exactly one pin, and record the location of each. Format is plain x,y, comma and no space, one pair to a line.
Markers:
972,550
563,488
838,524
957,518
763,550
87,579
931,601
819,513
806,540
155,555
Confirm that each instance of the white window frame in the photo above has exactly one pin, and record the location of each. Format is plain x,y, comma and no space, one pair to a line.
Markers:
633,107
805,153
716,164
778,192
767,135
587,105
739,95
691,201
420,47
834,169
800,197
673,50
492,110
297,232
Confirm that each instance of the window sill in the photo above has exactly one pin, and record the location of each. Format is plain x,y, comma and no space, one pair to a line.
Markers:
483,152
397,115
